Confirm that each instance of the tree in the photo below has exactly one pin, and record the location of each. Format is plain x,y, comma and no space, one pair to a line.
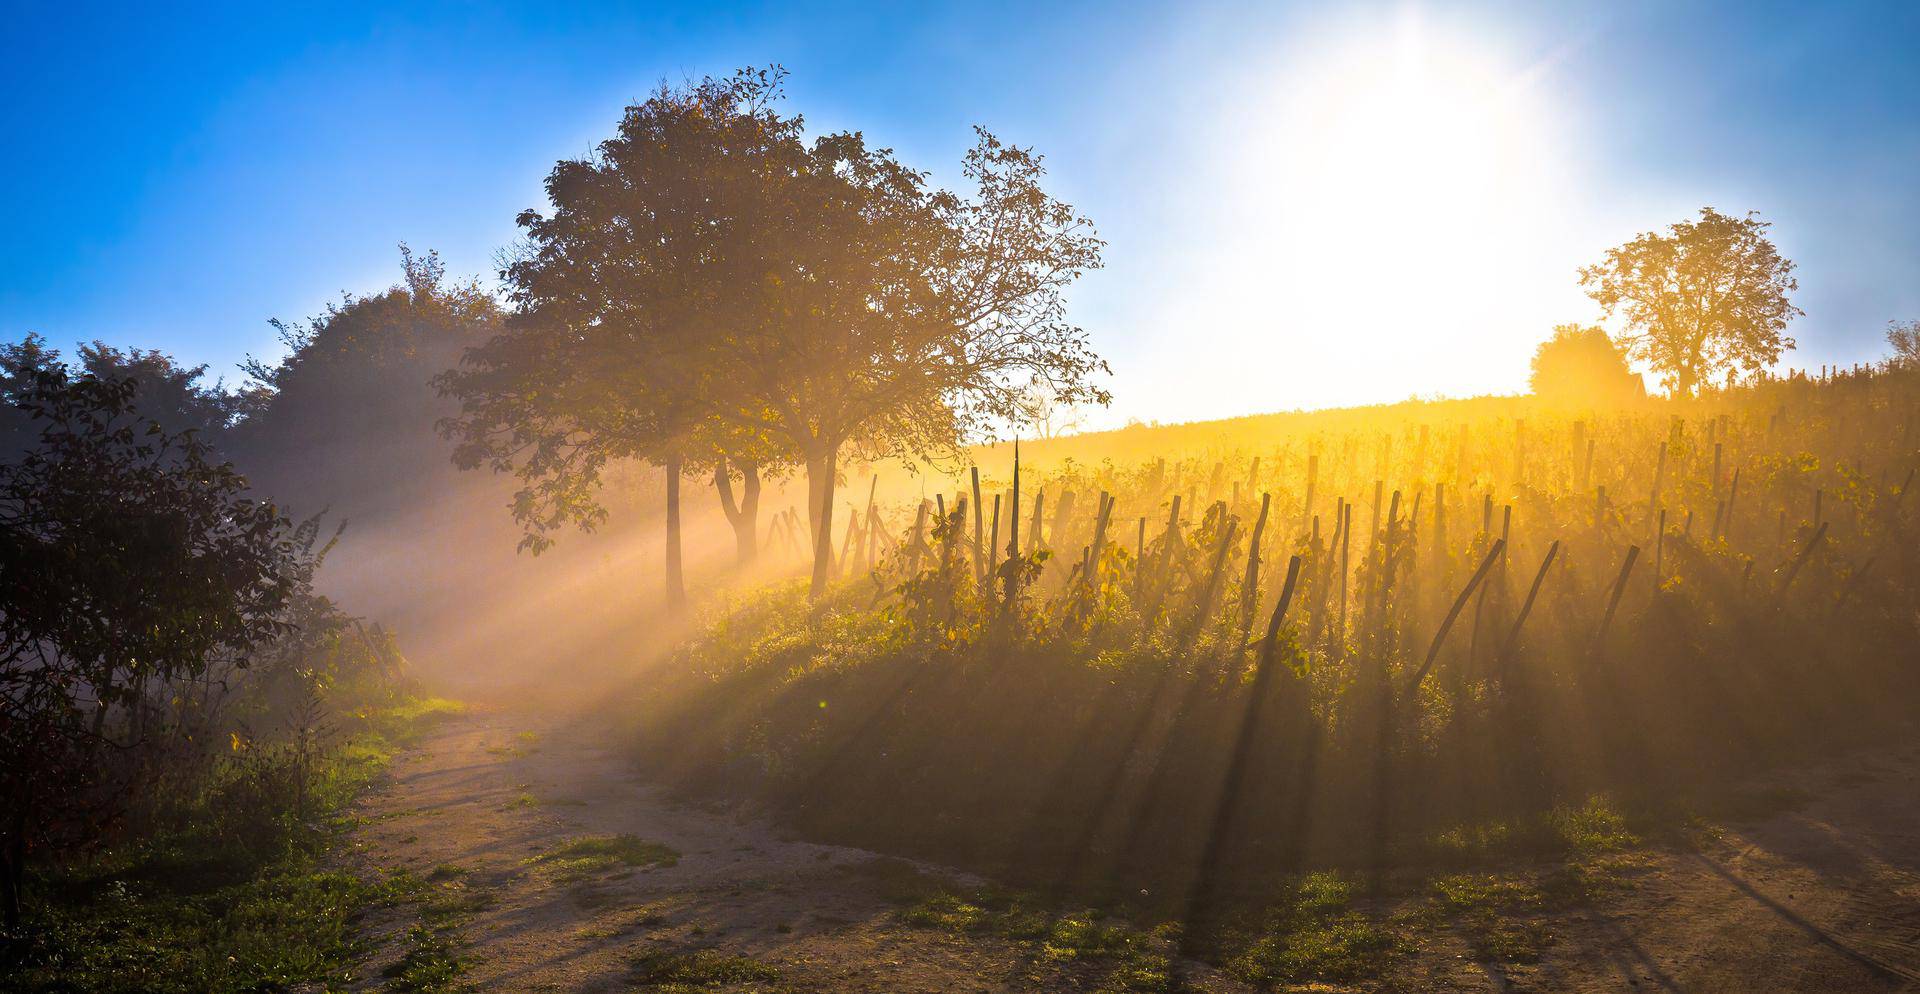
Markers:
619,306
127,557
345,418
894,319
1905,340
1709,296
1580,365
710,286
165,392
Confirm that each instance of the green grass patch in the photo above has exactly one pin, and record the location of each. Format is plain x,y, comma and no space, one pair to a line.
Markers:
230,895
432,964
1316,936
1596,827
583,858
1344,948
1491,913
698,968
1142,961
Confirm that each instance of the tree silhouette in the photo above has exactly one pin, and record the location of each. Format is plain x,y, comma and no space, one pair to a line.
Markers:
1581,365
1708,296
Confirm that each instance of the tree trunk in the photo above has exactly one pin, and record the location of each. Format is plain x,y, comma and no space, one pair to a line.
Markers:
744,515
676,583
820,473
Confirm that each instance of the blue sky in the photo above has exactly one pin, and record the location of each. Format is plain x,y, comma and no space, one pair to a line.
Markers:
1283,231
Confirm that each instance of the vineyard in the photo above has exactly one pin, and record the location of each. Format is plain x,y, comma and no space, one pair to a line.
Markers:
1223,654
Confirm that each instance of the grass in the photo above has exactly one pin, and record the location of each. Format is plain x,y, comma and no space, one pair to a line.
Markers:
583,858
233,898
668,969
1492,913
1133,960
432,963
1318,937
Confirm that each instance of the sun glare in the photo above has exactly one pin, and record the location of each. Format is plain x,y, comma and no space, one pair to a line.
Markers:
1413,218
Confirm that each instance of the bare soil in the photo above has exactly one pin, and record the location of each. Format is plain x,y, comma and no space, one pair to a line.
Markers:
1816,887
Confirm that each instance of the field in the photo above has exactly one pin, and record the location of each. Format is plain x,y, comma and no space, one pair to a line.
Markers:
1239,651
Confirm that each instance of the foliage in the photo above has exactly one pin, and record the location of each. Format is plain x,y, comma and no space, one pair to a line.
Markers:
228,891
1905,342
1114,730
1580,366
345,418
1709,296
710,284
132,561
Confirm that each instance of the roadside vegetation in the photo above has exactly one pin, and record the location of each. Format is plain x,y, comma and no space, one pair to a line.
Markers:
1375,642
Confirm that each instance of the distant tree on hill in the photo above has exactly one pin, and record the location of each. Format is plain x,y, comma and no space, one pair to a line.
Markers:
1707,297
1581,365
1905,340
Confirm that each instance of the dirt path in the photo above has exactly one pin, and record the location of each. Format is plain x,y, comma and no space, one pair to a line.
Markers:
1817,890
487,795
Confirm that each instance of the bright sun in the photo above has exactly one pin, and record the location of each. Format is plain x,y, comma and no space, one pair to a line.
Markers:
1409,218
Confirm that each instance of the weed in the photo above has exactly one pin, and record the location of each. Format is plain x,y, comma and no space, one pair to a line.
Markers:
583,858
1593,828
430,965
698,968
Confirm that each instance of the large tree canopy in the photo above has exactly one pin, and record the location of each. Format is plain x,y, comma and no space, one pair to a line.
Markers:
710,284
1707,297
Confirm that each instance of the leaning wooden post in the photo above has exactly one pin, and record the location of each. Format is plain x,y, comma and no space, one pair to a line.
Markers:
1099,537
1613,601
1373,523
1346,548
1140,562
1270,646
1013,535
1800,560
1033,534
1250,586
919,530
1733,494
979,513
1513,637
1659,472
1313,476
1212,591
993,548
1453,614
855,552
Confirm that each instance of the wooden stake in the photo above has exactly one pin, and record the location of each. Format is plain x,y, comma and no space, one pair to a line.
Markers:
1513,637
1453,614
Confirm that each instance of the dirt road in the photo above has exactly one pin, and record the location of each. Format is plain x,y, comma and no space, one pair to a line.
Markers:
1820,891
482,800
